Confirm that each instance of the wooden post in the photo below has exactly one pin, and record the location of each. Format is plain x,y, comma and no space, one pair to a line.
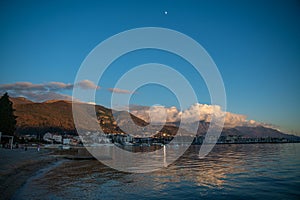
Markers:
12,142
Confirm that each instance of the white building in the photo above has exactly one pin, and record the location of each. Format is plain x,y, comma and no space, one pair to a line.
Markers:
57,138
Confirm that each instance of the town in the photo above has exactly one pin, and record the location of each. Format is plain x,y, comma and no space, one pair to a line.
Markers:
97,138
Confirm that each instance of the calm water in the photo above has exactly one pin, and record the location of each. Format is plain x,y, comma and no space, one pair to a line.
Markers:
241,171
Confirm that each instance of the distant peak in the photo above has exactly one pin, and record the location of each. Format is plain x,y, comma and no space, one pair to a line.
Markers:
57,100
20,100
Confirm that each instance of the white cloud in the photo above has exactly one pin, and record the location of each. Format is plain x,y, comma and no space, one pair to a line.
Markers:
44,91
51,86
40,96
58,86
87,84
197,112
120,91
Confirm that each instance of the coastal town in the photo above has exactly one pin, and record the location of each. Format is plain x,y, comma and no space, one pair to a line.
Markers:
68,141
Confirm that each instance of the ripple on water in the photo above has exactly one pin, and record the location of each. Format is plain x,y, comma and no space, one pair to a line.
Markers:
268,171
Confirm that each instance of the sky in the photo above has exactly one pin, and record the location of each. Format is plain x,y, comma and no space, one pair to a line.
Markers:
255,45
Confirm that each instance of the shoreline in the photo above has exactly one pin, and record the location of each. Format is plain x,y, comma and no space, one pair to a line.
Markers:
17,166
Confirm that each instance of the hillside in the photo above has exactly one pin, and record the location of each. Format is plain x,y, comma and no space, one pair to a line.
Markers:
34,118
56,116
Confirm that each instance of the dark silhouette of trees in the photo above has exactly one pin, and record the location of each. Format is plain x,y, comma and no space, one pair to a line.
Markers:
7,118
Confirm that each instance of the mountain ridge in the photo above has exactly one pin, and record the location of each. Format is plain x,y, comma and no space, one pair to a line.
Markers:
56,116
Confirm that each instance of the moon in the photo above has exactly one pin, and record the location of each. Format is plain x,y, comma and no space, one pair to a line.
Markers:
166,12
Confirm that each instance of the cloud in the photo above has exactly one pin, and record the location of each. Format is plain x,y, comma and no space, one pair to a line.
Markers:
22,86
44,91
155,114
87,84
197,112
58,86
40,96
51,86
120,91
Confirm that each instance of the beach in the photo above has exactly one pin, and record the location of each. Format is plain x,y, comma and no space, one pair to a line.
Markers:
17,165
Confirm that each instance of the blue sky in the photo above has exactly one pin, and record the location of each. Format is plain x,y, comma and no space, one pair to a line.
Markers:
255,44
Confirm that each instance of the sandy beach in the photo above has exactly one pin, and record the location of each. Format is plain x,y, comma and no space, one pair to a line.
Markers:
17,165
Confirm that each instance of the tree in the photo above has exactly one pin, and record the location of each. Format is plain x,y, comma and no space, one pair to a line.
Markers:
7,118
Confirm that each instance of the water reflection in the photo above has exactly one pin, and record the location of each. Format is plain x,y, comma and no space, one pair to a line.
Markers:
210,171
228,170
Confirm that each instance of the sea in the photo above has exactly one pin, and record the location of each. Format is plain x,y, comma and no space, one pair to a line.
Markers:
229,171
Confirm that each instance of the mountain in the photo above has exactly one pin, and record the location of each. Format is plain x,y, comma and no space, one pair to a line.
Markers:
242,131
262,132
20,100
56,116
34,118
